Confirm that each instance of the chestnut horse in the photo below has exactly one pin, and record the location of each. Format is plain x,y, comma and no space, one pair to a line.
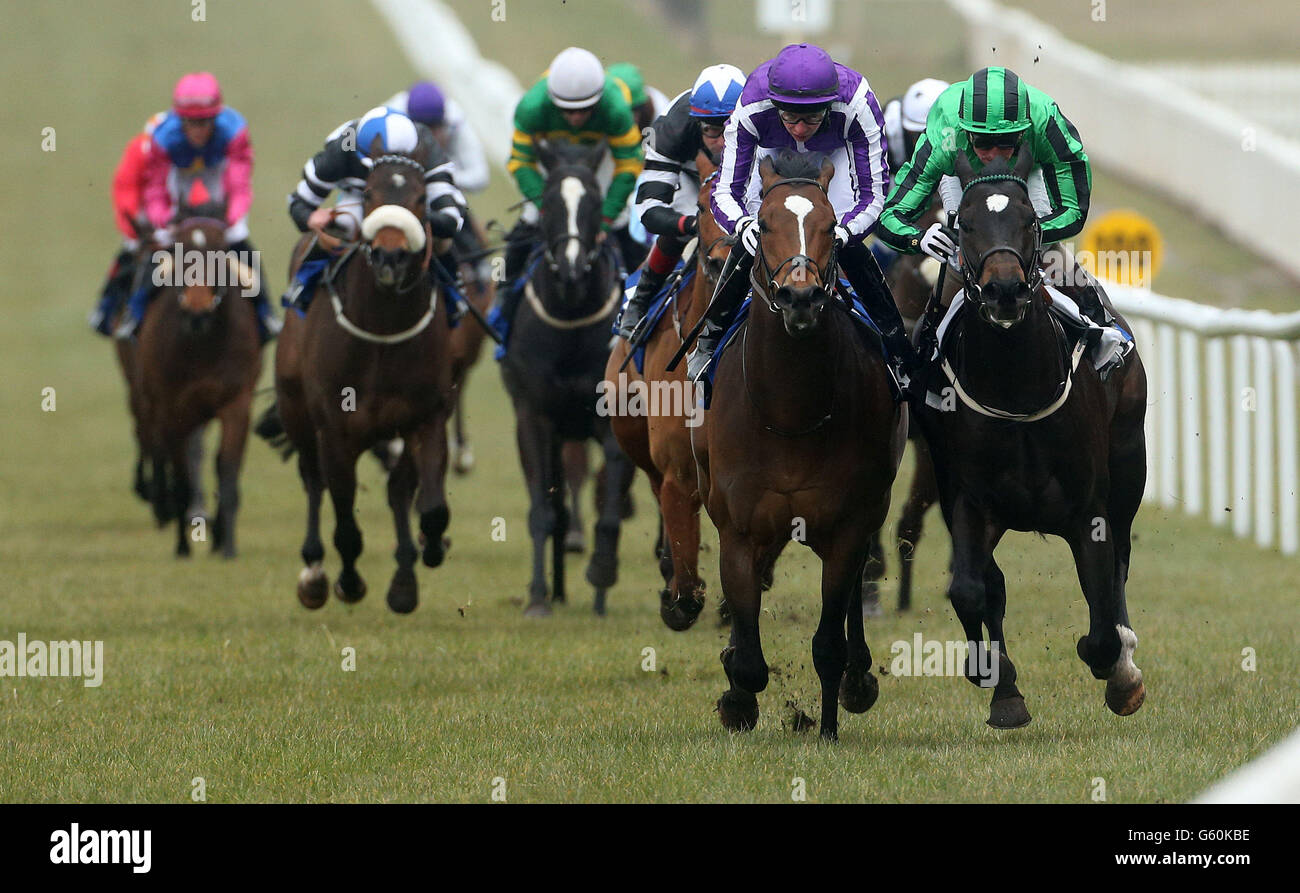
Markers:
368,363
660,443
1037,442
802,442
198,358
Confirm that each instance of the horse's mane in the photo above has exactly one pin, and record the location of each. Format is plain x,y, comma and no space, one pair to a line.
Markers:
791,164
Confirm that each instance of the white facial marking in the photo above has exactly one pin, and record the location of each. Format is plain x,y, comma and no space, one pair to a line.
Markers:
399,180
997,203
199,239
800,207
572,190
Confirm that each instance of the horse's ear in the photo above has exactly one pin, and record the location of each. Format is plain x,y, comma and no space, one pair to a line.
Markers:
767,171
704,164
1023,163
825,173
961,165
545,155
376,147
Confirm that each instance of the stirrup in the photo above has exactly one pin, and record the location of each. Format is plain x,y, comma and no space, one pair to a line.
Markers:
699,358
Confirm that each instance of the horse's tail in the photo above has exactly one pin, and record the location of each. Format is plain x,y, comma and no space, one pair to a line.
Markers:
270,428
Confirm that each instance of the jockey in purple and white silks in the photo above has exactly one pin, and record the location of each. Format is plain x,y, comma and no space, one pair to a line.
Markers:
805,102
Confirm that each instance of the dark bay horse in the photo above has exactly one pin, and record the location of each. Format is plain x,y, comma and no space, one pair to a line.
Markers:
802,442
369,363
1034,444
554,364
198,358
660,443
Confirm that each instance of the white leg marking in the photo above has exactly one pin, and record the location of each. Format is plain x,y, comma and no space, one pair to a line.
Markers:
314,571
1126,673
572,190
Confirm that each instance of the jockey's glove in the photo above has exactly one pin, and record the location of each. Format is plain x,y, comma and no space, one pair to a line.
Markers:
939,242
747,233
841,236
687,225
162,235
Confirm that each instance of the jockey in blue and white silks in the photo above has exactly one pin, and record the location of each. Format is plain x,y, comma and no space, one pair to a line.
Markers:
803,101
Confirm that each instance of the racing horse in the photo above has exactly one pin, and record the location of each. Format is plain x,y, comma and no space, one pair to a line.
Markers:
1036,442
198,358
802,441
554,364
660,443
370,364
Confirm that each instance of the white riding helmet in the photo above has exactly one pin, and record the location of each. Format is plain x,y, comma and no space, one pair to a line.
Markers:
917,101
576,79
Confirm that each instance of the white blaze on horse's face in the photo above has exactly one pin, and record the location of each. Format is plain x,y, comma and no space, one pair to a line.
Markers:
399,180
572,191
800,207
997,203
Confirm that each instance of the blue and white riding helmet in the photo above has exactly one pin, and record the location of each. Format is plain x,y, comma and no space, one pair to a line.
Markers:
716,91
396,132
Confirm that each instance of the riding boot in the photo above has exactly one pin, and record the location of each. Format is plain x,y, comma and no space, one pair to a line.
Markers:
520,242
268,325
1111,343
646,288
863,273
718,316
114,292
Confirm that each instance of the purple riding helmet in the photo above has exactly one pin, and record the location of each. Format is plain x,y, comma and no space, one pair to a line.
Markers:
426,104
802,74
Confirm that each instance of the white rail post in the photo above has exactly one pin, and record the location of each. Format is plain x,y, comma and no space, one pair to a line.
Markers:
1217,397
1289,500
1189,375
1167,387
1263,442
1145,333
1241,435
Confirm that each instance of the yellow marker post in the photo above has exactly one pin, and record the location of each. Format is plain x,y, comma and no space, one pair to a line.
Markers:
1122,247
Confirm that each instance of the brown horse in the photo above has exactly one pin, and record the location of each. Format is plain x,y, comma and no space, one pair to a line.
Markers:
802,442
198,358
1037,442
660,443
371,362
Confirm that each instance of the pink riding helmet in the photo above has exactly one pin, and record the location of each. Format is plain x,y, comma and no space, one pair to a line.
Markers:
197,95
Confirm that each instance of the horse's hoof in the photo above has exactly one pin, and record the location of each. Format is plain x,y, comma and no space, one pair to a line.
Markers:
602,571
858,689
403,592
831,735
464,460
538,609
598,606
679,614
432,556
1125,701
1009,713
738,710
350,594
575,541
313,587
628,509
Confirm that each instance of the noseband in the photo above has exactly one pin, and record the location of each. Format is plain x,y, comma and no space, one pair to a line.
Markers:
403,287
826,274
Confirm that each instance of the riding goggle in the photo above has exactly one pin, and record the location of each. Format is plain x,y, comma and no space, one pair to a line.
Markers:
813,119
996,140
712,131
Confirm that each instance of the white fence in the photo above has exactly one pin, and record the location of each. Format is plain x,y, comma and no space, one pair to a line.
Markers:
1221,415
1230,170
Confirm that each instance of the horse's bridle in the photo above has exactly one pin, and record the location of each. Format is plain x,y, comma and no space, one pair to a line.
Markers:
973,270
827,273
400,287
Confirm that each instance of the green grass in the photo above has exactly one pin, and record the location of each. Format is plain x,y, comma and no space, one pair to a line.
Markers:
214,670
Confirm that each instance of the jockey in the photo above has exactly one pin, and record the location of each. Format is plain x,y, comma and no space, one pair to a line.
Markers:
802,100
203,142
344,164
647,103
989,116
426,104
904,123
575,101
670,187
128,213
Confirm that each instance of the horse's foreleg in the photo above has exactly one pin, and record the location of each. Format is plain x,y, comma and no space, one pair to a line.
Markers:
575,475
859,689
431,464
230,459
403,591
923,494
681,604
841,578
313,585
464,453
339,465
533,433
560,512
1007,709
742,659
180,497
602,572
197,507
1108,647
873,570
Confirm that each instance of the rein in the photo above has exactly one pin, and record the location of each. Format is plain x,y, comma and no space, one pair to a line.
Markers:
827,273
374,338
555,322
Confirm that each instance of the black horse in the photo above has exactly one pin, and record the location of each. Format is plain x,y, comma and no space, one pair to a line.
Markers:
1027,438
554,363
